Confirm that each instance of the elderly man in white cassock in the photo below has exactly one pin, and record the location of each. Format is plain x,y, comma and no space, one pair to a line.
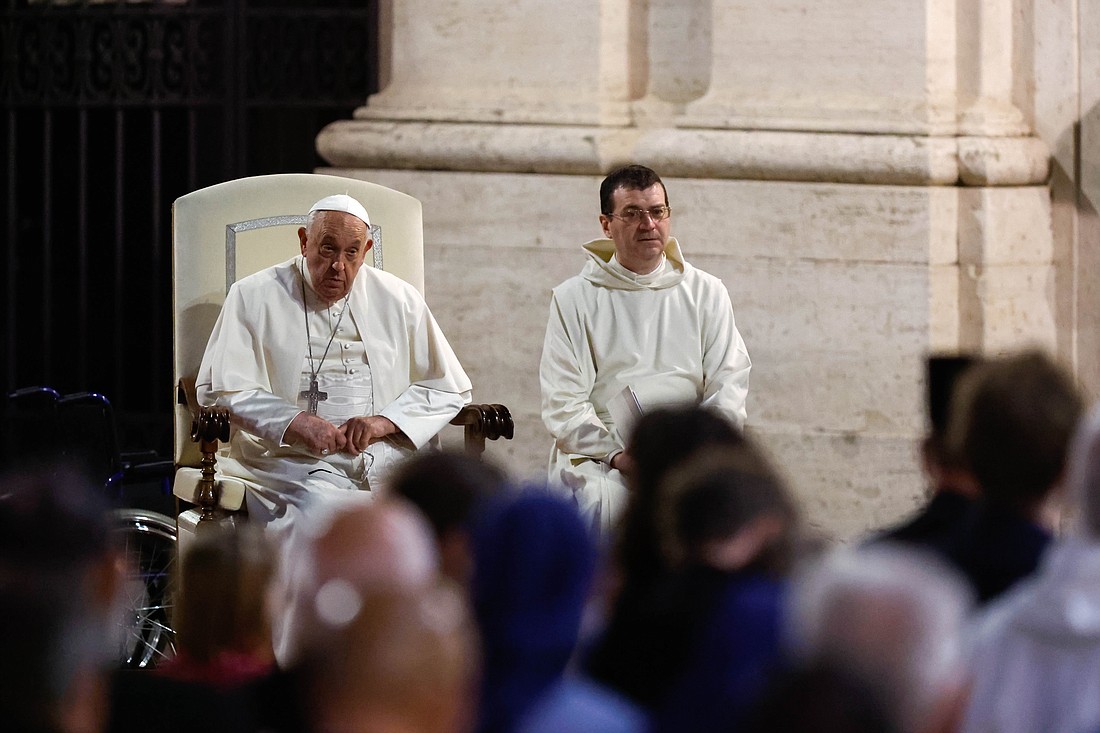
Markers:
332,371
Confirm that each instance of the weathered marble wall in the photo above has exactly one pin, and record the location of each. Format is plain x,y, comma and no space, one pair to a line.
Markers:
872,181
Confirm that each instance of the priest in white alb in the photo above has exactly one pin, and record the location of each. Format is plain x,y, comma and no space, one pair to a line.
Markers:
638,328
332,371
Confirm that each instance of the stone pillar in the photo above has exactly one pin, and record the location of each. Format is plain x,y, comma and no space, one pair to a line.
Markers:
995,70
485,86
796,65
524,61
870,180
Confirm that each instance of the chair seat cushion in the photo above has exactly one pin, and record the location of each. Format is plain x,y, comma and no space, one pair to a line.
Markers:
230,495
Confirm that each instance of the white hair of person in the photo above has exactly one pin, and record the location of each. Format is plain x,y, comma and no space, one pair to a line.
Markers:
892,615
1083,473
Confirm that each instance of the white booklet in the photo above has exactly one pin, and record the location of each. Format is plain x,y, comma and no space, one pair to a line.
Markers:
625,410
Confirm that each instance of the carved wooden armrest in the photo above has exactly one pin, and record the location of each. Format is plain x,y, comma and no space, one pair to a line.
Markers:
484,422
209,425
207,428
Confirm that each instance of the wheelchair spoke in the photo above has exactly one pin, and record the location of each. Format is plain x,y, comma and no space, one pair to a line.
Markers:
148,541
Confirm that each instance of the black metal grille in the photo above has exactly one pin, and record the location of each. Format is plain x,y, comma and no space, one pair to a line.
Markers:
110,112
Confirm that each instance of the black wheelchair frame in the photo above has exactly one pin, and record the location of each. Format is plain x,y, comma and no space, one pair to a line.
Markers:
82,435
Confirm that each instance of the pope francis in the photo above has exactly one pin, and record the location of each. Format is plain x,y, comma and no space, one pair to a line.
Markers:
332,371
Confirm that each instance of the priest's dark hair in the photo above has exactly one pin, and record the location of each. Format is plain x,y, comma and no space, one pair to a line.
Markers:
633,177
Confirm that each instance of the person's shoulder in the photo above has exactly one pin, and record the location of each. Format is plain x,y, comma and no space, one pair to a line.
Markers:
695,276
703,285
373,278
572,284
992,625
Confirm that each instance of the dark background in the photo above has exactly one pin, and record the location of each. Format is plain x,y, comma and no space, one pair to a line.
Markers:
110,112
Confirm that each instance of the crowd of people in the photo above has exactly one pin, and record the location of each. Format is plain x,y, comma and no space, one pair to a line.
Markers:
462,601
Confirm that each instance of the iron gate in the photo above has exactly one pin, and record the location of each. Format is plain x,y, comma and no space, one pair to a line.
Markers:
113,109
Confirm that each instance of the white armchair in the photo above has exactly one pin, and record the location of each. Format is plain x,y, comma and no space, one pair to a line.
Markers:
229,230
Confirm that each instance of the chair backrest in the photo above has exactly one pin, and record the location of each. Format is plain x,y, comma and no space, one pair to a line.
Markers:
223,232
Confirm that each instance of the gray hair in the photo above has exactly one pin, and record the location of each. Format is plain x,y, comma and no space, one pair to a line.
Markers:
891,615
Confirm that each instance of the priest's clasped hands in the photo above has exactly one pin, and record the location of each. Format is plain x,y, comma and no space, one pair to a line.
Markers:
320,437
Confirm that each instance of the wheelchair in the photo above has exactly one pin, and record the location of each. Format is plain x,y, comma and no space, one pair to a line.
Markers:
148,540
85,421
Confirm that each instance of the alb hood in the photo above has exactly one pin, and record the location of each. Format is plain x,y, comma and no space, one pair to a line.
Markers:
600,271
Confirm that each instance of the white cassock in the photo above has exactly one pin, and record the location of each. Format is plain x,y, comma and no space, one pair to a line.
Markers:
669,335
387,357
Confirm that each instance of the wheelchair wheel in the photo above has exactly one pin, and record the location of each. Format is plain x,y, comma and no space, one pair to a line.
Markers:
149,542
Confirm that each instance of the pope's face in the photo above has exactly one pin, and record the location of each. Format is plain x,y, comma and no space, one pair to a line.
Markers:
638,245
335,246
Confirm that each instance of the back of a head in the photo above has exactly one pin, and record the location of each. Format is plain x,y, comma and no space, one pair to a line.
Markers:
534,561
385,542
666,436
533,566
446,486
352,551
662,439
728,508
891,615
406,661
56,591
223,592
1011,420
632,177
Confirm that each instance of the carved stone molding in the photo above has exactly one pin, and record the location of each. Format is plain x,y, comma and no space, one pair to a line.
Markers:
692,153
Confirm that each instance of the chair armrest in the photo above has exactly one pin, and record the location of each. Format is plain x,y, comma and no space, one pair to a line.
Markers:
209,426
481,422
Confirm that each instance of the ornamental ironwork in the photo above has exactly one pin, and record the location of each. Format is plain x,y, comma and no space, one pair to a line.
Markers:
187,53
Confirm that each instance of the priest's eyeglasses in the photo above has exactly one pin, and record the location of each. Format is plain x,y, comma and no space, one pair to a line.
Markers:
634,216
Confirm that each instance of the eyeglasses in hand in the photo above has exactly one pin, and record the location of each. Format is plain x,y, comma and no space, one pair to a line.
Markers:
634,216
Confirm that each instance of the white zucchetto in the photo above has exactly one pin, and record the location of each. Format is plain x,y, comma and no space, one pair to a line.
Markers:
342,202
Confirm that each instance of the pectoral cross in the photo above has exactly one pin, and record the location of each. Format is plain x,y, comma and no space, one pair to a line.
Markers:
313,395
